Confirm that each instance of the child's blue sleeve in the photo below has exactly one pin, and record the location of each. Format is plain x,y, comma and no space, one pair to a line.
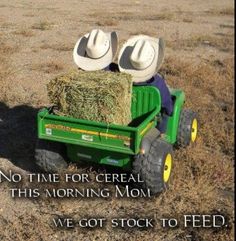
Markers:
167,103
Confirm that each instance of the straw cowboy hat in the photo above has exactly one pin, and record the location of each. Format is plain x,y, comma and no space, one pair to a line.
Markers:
95,50
141,56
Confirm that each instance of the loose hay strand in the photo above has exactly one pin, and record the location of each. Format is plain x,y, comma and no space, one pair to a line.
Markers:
100,96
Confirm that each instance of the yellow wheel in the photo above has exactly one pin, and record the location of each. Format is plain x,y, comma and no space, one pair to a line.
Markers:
188,128
167,167
194,130
154,167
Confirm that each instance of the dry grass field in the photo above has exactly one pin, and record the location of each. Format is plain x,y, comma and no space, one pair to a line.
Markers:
36,43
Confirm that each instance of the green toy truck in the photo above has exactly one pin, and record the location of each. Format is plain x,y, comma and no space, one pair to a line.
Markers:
138,147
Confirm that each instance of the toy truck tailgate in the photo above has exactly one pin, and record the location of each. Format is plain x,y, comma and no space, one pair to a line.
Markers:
86,133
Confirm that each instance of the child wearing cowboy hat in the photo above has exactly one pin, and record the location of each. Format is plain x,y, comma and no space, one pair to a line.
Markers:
142,56
96,51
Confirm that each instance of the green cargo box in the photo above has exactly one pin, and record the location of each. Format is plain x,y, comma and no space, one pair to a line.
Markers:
110,144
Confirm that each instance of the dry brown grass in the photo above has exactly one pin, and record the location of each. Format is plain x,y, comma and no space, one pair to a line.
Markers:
15,94
5,71
43,25
107,22
187,20
28,15
223,11
118,17
223,42
6,49
230,26
11,94
6,25
131,16
145,32
209,90
165,16
25,33
57,47
49,67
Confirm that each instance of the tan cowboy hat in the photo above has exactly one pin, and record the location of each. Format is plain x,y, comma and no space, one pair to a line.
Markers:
141,56
95,50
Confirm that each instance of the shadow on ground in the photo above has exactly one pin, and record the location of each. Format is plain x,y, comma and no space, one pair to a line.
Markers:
18,135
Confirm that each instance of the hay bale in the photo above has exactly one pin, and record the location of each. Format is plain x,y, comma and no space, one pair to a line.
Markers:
101,96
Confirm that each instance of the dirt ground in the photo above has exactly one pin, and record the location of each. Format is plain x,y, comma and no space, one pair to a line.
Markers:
36,43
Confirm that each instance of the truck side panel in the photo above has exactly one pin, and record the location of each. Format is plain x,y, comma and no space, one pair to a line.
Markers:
85,133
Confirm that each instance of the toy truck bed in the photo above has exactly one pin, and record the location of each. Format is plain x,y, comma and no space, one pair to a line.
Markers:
88,139
117,138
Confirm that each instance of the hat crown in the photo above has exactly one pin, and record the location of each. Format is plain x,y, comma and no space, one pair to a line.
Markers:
98,44
142,55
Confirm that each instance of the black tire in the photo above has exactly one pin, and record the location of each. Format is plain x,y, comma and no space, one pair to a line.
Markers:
150,166
50,156
185,130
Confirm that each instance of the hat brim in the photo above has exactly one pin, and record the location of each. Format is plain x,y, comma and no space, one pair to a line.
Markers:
144,74
85,62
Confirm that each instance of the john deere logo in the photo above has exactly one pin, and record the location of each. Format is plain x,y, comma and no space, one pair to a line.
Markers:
48,131
87,137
